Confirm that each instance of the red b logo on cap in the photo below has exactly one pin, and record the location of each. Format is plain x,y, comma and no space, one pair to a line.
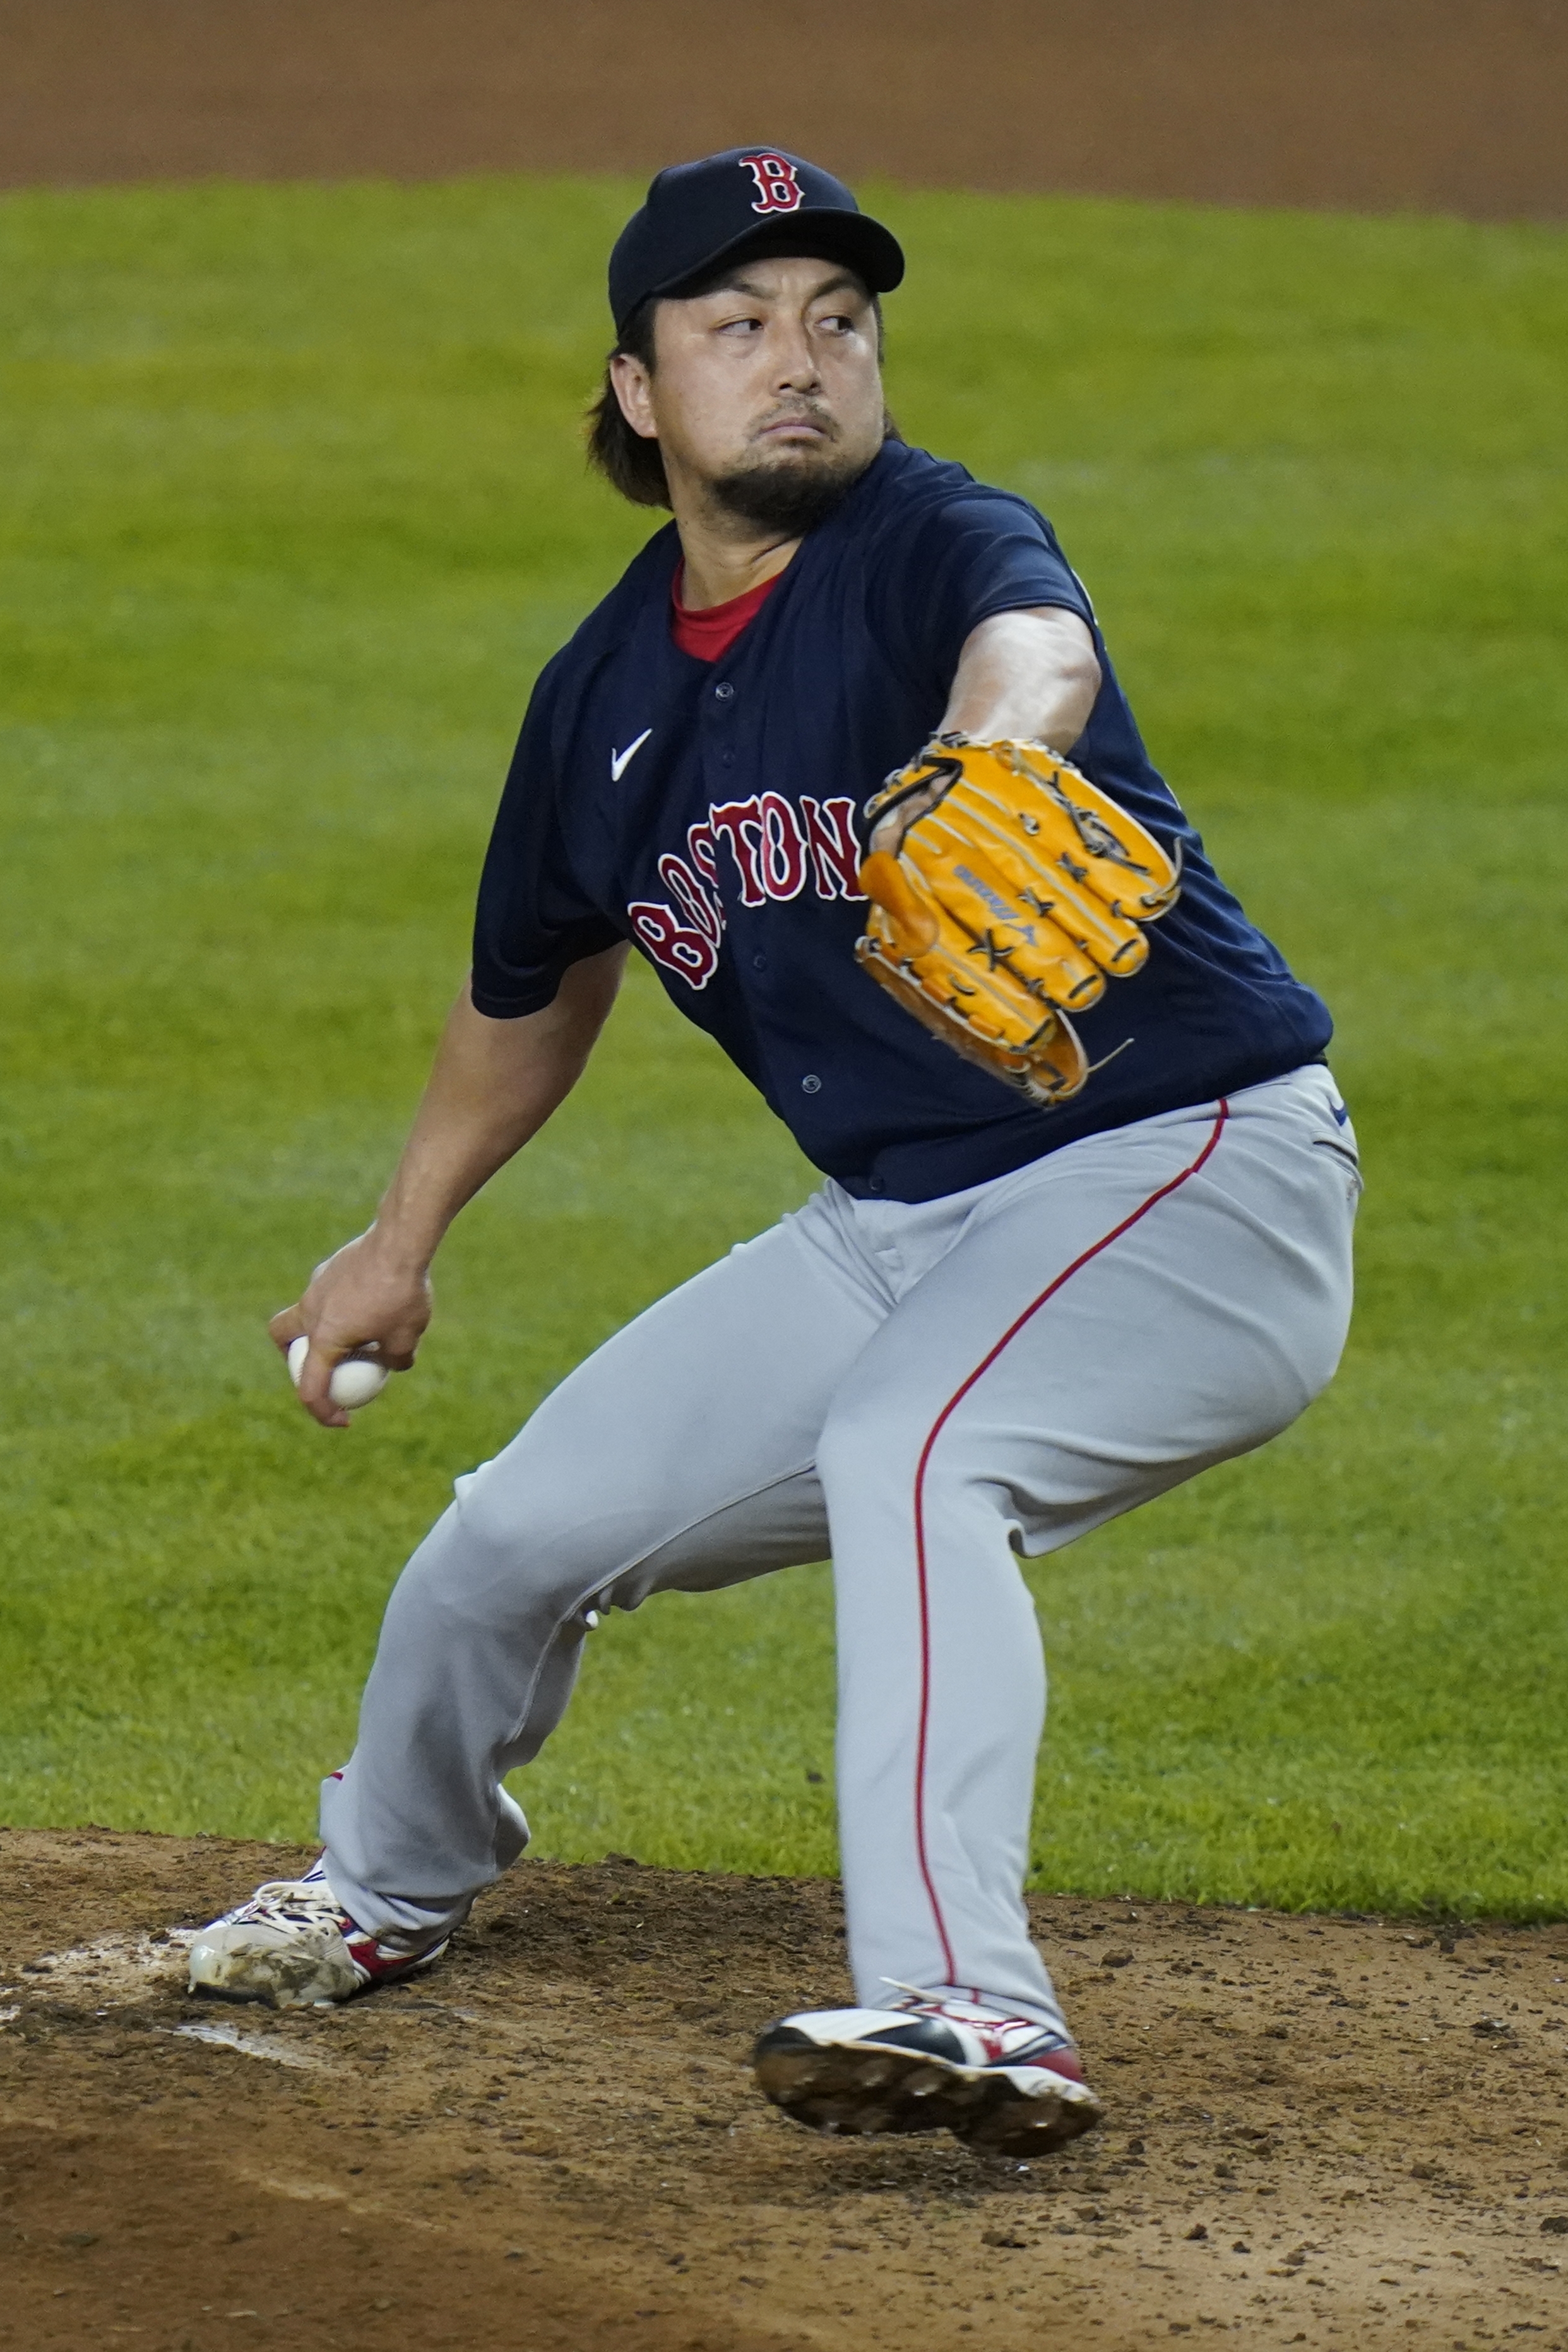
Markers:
778,189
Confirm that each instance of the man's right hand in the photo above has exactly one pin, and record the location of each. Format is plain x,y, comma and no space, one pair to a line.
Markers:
360,1296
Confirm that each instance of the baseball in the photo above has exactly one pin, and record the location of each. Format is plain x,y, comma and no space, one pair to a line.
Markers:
355,1382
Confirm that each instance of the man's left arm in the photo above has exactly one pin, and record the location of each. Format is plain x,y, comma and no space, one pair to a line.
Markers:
1025,676
1006,888
1028,676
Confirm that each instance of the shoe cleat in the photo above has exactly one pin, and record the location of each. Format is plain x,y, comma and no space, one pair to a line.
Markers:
293,1946
1005,2086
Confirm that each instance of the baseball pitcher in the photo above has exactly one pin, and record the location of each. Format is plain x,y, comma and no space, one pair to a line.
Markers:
843,756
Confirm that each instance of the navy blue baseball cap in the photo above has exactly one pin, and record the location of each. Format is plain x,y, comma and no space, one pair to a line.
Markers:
697,217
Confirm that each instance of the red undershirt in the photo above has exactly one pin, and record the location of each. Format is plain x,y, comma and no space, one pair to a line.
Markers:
708,636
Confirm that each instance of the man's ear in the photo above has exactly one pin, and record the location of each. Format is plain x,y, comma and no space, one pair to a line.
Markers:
634,390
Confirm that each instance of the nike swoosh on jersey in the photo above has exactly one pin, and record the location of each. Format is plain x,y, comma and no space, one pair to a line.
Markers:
621,760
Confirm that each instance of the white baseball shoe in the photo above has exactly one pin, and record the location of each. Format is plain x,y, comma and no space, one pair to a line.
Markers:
1006,2085
293,1946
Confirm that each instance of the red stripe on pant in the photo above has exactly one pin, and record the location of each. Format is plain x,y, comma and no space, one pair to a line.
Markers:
954,1401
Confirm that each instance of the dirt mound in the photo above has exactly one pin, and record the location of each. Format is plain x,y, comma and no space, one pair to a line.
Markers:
1429,104
1318,2129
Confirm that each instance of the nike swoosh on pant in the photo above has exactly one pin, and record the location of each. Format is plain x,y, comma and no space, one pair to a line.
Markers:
621,760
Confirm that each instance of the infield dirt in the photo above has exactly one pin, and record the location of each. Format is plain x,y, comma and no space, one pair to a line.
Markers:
1381,105
1345,2131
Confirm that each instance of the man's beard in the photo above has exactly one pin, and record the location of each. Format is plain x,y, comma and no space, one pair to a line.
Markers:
791,494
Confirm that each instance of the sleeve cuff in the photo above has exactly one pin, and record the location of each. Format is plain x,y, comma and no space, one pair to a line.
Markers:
513,1008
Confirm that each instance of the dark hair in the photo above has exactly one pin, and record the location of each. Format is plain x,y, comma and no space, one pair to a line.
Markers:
629,463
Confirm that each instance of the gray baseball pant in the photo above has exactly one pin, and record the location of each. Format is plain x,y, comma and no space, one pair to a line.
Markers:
925,1391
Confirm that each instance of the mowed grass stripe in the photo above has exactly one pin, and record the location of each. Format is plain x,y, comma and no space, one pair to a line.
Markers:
293,509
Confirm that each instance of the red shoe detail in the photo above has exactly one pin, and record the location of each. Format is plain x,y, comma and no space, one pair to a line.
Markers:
380,1966
1063,2062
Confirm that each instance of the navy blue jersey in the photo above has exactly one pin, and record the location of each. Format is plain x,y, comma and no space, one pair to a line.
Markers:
710,812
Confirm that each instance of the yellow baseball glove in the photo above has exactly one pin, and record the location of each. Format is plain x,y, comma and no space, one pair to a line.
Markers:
1015,889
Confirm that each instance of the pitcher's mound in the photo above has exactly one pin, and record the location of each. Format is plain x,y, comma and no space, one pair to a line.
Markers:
1321,2131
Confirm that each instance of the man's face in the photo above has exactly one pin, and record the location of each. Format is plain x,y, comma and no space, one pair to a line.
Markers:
766,396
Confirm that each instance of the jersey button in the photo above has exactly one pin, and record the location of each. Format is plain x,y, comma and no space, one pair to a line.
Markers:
724,693
759,963
810,1084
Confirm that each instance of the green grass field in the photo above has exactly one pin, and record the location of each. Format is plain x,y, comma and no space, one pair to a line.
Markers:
291,511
